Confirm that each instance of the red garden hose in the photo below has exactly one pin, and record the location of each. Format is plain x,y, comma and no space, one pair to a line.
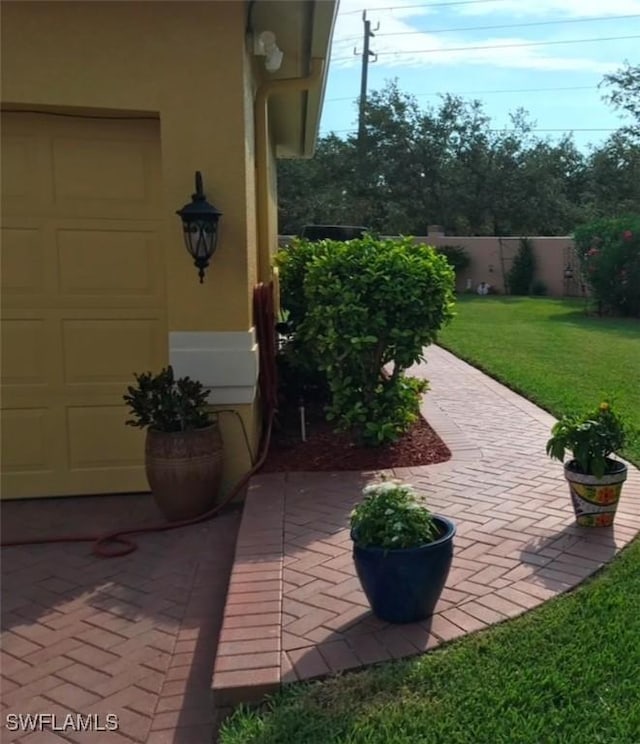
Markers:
264,319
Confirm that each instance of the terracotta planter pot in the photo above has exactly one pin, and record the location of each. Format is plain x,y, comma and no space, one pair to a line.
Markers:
404,585
184,470
595,500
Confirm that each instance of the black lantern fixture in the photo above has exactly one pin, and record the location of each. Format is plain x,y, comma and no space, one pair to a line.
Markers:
200,225
568,272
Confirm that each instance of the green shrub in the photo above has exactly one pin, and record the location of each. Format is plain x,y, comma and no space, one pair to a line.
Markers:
298,371
609,255
370,303
456,256
539,288
520,275
299,377
292,263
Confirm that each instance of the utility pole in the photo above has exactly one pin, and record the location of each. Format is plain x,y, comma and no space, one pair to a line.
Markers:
366,54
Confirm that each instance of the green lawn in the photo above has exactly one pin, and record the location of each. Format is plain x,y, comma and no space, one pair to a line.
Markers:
552,353
566,673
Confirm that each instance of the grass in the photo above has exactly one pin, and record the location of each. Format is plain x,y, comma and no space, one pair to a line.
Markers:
566,673
552,353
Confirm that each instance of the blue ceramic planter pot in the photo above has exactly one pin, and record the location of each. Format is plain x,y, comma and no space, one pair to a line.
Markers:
403,586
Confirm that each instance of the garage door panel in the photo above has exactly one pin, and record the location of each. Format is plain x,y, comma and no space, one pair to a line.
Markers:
24,352
18,166
99,438
109,261
23,260
26,433
110,350
89,174
26,166
25,158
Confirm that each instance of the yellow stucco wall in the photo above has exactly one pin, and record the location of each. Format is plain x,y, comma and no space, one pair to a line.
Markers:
187,63
237,459
272,219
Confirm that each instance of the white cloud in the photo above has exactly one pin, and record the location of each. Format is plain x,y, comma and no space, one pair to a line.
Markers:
551,8
554,9
402,35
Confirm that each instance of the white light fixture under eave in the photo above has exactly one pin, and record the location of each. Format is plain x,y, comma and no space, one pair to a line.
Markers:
265,46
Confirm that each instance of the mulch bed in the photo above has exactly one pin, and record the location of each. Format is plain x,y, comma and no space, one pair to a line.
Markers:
326,450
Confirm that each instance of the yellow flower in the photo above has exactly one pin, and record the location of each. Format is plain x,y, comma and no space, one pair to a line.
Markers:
604,406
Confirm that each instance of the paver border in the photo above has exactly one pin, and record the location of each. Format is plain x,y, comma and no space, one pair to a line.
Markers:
252,621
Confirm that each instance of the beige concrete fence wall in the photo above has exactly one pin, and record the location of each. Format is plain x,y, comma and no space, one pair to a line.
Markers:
491,259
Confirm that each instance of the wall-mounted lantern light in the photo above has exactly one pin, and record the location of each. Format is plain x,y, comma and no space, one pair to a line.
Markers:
200,226
568,272
491,268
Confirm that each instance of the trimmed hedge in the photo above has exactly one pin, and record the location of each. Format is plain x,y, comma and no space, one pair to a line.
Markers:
357,307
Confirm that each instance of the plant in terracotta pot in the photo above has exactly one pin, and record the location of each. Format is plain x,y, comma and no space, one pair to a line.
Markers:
595,478
183,448
402,552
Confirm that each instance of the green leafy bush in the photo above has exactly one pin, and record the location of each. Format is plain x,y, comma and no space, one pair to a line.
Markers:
162,403
609,255
520,275
299,377
539,288
391,516
371,303
292,263
298,372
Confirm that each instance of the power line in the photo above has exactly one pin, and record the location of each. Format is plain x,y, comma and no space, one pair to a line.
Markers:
427,5
566,130
500,46
502,26
484,92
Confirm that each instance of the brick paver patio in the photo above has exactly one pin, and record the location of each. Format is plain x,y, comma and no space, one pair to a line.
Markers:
133,636
137,636
295,610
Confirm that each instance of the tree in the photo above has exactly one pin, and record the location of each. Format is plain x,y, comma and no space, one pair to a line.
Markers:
317,190
520,277
612,186
447,165
625,94
552,183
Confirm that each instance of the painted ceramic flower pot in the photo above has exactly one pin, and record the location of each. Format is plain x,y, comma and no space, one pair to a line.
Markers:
595,500
404,585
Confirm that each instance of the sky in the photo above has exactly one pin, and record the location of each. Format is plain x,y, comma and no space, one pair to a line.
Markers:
546,56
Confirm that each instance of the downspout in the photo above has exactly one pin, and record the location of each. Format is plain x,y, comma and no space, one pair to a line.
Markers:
265,91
